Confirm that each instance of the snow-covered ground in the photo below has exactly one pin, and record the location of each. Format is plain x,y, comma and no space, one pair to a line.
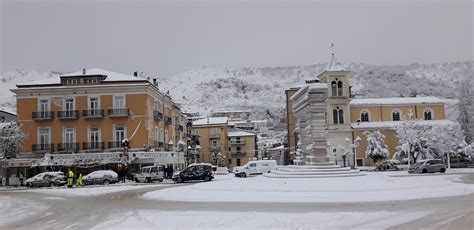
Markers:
371,188
17,209
93,190
258,220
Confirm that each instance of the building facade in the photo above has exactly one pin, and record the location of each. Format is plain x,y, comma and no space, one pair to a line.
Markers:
347,118
219,142
93,111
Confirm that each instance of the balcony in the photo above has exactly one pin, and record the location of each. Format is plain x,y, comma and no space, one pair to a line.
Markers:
93,146
68,147
238,153
43,116
117,144
237,142
179,128
93,113
157,115
168,120
42,147
214,148
68,114
116,113
214,136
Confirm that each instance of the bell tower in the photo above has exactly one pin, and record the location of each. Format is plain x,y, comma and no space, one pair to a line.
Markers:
336,77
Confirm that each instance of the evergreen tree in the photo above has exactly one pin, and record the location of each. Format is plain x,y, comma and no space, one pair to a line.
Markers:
466,109
376,147
10,139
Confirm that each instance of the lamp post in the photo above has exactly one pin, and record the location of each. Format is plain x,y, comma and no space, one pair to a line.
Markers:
356,144
187,154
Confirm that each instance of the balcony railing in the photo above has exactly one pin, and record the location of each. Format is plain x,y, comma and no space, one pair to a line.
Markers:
237,142
179,128
238,153
168,120
69,147
116,144
214,135
68,114
43,115
122,112
42,147
93,145
93,113
157,115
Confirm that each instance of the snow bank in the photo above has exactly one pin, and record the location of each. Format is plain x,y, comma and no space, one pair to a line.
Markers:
371,188
258,220
92,191
13,209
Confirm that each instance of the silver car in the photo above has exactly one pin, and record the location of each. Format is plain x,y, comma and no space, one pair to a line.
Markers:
104,177
428,166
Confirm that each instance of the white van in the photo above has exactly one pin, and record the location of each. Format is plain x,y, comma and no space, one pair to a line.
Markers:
255,168
149,174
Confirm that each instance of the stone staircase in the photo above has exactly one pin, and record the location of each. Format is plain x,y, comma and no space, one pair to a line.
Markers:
315,170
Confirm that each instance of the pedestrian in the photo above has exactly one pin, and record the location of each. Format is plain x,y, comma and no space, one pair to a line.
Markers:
124,174
79,180
120,174
70,178
21,178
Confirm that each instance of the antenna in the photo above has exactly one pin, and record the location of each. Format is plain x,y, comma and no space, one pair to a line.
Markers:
332,49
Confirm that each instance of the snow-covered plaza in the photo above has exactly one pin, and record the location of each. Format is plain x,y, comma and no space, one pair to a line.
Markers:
380,200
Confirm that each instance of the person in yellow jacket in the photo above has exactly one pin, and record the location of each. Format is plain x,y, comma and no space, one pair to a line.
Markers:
79,180
70,178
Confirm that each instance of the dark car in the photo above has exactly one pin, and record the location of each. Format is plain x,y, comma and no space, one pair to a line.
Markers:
46,179
428,166
195,172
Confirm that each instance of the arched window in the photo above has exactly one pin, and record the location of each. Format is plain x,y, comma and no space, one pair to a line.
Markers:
339,88
333,88
364,116
428,114
396,114
338,116
341,116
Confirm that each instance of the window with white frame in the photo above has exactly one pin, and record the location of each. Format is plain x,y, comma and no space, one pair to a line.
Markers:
68,104
44,136
166,136
396,115
156,136
69,135
338,115
428,114
119,133
119,102
43,105
364,116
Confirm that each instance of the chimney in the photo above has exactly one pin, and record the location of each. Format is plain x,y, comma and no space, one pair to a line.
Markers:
135,74
154,82
83,71
148,78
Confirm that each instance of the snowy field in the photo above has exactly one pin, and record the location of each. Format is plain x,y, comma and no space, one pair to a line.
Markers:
371,188
258,220
93,190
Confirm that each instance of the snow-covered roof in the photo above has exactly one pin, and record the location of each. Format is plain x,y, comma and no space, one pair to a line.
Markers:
110,77
240,134
211,121
397,101
394,124
334,65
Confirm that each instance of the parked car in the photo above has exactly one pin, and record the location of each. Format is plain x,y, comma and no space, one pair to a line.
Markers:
200,171
46,179
149,174
387,165
100,177
255,168
428,166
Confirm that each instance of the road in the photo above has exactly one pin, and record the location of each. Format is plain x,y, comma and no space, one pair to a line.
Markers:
82,212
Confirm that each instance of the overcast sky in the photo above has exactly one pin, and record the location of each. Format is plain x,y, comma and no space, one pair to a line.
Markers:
169,37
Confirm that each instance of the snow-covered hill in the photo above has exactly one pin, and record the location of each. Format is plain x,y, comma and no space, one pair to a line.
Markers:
263,89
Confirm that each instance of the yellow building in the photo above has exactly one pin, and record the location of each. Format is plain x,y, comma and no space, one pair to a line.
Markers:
93,111
216,140
347,118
